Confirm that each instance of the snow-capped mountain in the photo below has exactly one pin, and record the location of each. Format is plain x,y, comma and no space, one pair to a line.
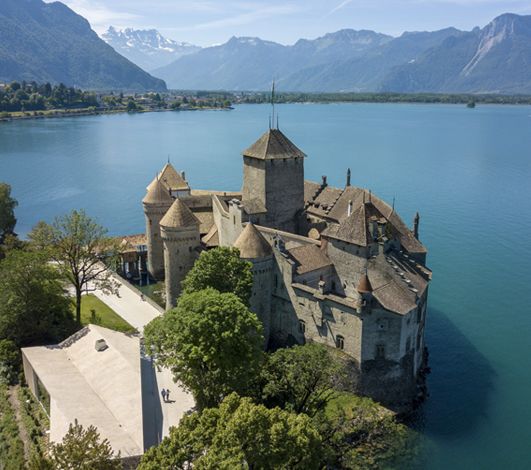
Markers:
147,48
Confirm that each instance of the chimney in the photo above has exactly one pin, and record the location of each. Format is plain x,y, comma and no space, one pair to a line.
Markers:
416,222
348,177
183,175
349,210
322,287
324,184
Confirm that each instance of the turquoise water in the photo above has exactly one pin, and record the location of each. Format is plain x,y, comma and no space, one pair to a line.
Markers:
467,171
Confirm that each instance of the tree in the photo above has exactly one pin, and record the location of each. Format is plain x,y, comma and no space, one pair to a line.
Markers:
82,251
211,342
9,362
238,434
82,449
7,212
359,434
223,270
302,379
34,307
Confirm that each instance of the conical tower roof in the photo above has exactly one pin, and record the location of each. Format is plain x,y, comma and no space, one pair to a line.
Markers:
172,179
364,286
157,193
179,215
252,243
273,145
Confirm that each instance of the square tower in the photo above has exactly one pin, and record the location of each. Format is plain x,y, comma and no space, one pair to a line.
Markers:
273,177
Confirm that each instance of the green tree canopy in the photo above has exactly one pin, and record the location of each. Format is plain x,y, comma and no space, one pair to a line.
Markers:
7,212
223,270
211,342
34,307
302,379
78,245
9,361
237,435
82,449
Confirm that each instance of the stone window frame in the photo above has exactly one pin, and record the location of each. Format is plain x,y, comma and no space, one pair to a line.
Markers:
340,342
302,326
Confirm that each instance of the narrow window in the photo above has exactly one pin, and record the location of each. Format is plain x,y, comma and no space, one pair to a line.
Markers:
302,326
380,351
340,342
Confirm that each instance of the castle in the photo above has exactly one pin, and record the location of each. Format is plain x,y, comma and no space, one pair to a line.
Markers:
335,266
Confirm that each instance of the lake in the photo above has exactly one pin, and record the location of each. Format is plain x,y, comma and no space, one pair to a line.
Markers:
467,171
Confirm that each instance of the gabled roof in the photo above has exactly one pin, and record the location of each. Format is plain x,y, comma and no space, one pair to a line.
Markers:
252,244
309,258
351,230
179,215
273,145
172,179
157,193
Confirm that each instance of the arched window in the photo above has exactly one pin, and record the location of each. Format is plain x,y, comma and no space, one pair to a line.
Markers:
380,351
302,326
340,342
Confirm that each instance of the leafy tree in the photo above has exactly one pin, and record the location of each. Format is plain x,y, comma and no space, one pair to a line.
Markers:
363,435
223,270
238,434
9,361
302,379
79,245
82,449
34,307
211,342
7,212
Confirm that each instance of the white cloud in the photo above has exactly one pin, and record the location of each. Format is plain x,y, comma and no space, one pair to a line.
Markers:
248,17
100,16
338,7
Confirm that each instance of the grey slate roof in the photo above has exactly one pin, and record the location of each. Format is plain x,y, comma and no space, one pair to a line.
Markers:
273,145
252,244
179,215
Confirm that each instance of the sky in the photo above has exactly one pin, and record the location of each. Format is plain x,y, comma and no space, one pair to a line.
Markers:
208,22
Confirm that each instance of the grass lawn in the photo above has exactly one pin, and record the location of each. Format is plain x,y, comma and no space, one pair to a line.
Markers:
154,291
93,310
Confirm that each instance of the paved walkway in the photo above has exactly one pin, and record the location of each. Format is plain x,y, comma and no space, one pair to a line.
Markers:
128,305
138,313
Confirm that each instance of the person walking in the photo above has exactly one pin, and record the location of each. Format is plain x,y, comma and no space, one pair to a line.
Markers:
164,395
167,394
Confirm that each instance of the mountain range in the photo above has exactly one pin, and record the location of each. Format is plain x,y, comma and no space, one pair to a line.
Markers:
48,42
147,47
493,59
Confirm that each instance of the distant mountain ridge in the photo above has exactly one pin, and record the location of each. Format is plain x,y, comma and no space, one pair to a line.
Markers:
147,47
48,42
493,59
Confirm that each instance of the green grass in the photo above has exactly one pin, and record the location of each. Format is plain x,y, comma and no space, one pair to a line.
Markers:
94,311
153,291
11,447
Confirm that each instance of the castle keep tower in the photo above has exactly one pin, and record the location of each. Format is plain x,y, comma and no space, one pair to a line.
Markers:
156,203
273,178
180,234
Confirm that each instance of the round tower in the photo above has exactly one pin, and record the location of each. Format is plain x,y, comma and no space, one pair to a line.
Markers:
179,229
156,203
255,249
